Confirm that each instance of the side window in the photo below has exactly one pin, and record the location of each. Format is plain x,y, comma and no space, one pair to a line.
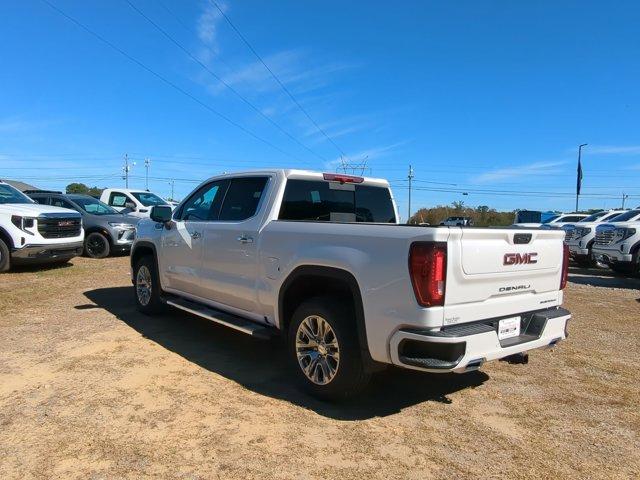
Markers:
242,198
41,200
204,204
117,199
571,219
61,202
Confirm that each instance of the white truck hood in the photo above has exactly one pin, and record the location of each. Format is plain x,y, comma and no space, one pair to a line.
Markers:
32,209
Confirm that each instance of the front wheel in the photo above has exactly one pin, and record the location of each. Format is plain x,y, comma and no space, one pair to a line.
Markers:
324,351
624,269
147,286
96,245
5,258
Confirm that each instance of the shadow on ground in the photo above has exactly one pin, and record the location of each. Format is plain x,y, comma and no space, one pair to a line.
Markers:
41,267
260,366
599,277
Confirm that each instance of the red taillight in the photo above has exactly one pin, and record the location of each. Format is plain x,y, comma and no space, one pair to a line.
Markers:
336,177
565,266
428,270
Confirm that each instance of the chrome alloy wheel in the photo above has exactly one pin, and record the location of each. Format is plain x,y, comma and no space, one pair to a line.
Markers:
317,350
143,285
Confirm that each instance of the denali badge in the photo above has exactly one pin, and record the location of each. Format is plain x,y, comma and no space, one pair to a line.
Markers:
514,288
520,258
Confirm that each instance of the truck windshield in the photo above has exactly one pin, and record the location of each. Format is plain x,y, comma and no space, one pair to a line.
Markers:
148,199
594,217
94,206
325,201
8,194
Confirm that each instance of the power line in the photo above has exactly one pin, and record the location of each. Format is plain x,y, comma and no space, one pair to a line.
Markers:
275,77
166,81
222,81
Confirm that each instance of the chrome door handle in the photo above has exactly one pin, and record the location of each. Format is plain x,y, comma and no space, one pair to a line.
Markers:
245,239
196,235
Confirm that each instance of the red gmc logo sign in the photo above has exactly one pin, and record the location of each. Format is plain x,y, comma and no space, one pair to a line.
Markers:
520,258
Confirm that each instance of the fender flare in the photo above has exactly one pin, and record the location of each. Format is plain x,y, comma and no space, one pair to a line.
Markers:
330,274
101,230
132,256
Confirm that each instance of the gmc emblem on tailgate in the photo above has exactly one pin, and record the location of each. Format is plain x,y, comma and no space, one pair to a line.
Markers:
520,258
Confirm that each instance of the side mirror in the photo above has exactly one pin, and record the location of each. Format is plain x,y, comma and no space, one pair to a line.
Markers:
130,205
161,213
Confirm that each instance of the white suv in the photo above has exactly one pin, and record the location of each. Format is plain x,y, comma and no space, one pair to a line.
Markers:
618,244
33,233
580,236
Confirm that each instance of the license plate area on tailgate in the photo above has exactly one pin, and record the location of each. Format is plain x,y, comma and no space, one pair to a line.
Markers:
509,328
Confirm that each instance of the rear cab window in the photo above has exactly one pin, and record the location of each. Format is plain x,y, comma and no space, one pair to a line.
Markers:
321,200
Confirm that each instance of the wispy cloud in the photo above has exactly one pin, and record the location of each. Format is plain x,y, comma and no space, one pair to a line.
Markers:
207,29
291,68
341,127
511,172
613,150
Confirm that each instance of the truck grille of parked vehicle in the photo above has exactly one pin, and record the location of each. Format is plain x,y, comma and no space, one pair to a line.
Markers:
571,233
604,237
59,227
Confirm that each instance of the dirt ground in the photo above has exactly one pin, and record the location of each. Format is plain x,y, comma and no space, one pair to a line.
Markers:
89,388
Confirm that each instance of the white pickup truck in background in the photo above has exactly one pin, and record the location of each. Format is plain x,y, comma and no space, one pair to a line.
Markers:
136,203
320,260
557,221
581,235
617,244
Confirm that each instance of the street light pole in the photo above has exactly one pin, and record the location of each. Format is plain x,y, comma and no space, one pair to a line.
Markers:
579,174
147,164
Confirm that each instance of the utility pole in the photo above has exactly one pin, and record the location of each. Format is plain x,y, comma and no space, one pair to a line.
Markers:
579,174
172,183
126,168
147,164
624,199
410,177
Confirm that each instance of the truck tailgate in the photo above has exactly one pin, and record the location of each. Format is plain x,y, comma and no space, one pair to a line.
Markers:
490,268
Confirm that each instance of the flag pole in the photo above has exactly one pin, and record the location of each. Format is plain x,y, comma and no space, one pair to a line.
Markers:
579,174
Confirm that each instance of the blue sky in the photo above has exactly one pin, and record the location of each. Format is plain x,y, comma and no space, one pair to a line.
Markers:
485,97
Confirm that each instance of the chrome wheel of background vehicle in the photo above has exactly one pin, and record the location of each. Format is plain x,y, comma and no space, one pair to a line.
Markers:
143,285
317,350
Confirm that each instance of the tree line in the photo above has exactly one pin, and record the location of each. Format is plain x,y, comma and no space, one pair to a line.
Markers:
482,216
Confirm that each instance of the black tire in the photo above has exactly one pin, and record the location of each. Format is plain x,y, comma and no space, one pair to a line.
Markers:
96,245
624,270
587,262
350,376
154,303
5,257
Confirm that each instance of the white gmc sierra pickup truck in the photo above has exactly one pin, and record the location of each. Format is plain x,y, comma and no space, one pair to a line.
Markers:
617,244
320,260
